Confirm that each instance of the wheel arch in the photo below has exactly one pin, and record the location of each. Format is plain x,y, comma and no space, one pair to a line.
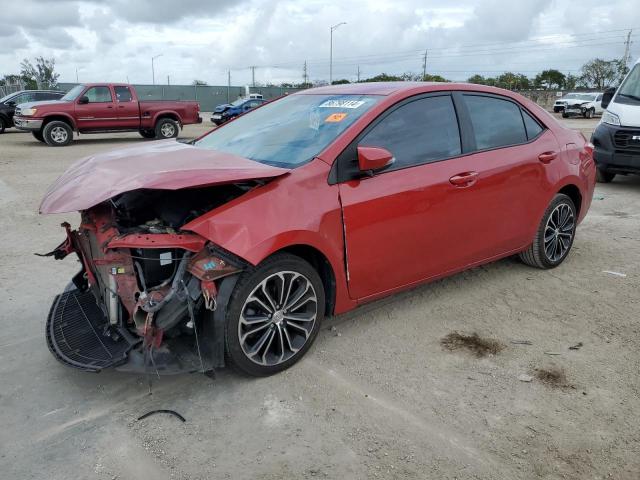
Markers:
59,117
573,192
166,114
321,264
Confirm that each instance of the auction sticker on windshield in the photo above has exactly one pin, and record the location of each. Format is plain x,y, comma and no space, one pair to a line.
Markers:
335,117
338,103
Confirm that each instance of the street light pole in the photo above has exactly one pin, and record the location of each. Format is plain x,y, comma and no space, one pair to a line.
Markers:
153,72
331,50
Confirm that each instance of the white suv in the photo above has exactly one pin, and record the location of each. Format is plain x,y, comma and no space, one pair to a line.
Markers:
584,104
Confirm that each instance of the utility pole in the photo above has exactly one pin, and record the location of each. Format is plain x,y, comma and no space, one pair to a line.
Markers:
168,82
305,74
627,45
424,65
228,86
77,81
153,72
253,76
331,50
358,73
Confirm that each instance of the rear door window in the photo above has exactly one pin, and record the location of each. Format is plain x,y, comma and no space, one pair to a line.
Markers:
418,132
123,94
496,122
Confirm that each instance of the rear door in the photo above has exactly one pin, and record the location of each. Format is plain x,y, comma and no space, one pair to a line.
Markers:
99,113
127,108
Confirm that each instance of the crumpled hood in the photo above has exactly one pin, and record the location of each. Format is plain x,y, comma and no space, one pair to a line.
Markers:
222,108
162,164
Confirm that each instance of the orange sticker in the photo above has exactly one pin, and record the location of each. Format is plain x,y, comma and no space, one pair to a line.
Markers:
335,117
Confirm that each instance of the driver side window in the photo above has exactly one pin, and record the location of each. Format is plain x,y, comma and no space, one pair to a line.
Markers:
99,95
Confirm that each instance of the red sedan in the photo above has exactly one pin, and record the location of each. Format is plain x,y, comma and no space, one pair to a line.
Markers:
236,246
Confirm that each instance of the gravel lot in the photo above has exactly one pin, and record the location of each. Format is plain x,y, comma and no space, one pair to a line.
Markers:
377,397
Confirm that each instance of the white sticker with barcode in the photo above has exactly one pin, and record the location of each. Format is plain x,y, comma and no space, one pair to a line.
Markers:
338,103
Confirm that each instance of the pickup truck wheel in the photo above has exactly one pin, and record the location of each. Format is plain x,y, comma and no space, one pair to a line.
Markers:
148,133
38,136
2,125
57,134
167,128
589,113
273,315
565,114
602,176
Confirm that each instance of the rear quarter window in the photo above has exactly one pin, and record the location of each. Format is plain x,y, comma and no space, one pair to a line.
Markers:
532,127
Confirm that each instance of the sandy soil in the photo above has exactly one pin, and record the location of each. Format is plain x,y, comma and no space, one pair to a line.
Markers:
378,396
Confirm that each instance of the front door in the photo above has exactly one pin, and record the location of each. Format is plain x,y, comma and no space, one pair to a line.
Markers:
98,113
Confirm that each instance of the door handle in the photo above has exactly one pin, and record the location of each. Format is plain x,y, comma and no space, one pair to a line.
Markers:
109,106
465,179
547,157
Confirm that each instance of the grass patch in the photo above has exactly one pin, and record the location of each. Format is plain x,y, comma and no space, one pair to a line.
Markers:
553,376
473,343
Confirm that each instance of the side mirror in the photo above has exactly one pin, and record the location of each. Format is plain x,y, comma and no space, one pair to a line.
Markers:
607,96
83,100
372,159
11,103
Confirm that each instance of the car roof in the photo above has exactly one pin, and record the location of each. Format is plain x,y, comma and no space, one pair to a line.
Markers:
39,91
391,88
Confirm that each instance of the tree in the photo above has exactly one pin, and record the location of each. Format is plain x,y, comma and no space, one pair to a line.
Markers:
199,83
11,79
342,81
434,78
383,77
41,76
477,79
600,74
571,82
549,79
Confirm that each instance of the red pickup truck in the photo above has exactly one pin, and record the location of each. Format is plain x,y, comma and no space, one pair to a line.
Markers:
104,107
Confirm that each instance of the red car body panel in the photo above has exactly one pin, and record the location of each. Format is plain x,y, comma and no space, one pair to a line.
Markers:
150,165
115,115
402,227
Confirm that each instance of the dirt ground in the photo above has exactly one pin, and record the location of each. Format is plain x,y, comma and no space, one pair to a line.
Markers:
379,395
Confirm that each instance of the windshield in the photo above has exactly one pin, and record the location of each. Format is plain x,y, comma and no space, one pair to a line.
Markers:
73,93
587,96
570,96
7,97
631,85
290,131
238,102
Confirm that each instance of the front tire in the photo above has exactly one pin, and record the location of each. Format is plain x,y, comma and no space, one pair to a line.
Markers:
57,134
602,176
38,136
554,236
2,125
589,113
167,128
274,315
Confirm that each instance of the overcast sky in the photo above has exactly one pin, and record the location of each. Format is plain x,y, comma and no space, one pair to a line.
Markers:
201,39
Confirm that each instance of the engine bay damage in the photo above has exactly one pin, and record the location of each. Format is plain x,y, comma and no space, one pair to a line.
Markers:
150,297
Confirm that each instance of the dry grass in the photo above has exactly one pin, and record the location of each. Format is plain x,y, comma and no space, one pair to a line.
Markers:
552,376
473,343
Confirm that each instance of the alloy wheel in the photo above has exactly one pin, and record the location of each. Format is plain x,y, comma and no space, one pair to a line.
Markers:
59,134
558,232
277,318
167,130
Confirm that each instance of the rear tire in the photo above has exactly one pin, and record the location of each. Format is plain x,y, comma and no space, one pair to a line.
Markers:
2,125
57,134
38,136
167,128
554,236
565,115
148,133
265,334
602,176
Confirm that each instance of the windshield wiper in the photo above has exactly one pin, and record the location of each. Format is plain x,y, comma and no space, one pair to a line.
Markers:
628,95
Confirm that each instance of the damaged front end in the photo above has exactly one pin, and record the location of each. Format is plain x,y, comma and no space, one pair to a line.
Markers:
146,297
